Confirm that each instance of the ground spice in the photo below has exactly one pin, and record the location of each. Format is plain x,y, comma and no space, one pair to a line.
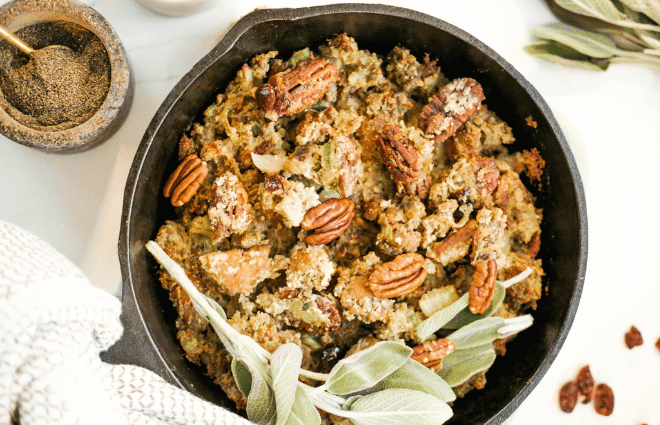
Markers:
56,88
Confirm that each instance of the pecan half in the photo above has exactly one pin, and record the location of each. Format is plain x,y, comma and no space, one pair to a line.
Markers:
603,400
402,275
399,154
419,187
482,287
568,396
291,91
185,180
431,353
450,108
328,220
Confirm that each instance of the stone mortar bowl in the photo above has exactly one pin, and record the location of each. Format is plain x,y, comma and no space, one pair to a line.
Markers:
150,335
19,14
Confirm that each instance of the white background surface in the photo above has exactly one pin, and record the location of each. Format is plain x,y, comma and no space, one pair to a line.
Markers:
74,201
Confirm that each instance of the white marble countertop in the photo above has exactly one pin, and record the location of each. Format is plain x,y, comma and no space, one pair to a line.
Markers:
74,201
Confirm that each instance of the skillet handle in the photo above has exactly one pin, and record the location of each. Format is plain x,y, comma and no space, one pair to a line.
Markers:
130,349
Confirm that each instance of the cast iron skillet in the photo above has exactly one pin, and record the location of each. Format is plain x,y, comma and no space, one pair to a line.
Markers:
148,316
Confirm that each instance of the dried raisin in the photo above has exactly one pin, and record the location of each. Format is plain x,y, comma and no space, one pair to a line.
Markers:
633,337
568,396
603,400
585,383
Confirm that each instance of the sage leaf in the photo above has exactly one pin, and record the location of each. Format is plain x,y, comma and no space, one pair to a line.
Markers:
514,325
303,411
350,400
465,316
600,9
650,8
432,324
557,53
480,332
214,304
588,43
261,407
654,42
242,375
415,376
366,368
461,364
285,368
398,406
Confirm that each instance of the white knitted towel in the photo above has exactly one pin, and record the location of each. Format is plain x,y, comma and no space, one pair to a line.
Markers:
53,325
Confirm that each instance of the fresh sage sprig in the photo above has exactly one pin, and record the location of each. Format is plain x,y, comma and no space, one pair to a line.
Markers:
474,346
616,13
624,31
457,314
379,385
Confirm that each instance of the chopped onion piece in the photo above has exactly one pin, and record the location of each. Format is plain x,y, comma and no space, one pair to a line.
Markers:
271,164
437,299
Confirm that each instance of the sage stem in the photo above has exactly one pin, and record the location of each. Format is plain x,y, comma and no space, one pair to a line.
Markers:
648,59
517,278
228,333
314,375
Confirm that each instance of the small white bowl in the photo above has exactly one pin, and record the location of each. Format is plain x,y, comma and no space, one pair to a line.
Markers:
176,7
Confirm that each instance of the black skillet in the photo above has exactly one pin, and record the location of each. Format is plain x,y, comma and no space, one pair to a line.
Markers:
149,339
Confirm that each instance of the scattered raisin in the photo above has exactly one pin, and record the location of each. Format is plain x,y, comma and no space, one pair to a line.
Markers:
329,357
603,400
568,396
633,337
585,383
657,344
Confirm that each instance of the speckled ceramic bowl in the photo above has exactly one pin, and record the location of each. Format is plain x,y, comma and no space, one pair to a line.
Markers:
19,14
150,339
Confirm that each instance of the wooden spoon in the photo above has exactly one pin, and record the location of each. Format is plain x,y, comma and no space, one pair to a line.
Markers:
18,43
15,41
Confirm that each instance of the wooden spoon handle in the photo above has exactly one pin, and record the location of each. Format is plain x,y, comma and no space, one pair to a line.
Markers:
15,41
